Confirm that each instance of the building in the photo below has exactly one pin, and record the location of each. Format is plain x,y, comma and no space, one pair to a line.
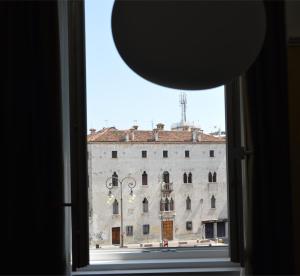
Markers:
180,192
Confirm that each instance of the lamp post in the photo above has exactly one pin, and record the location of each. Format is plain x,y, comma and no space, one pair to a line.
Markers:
131,183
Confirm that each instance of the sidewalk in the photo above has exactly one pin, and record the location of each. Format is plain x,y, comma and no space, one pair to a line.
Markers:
187,243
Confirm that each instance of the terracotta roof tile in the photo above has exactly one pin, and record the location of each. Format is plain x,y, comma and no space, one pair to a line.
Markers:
144,136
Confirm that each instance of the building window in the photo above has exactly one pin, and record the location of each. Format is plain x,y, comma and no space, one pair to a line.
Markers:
209,230
188,203
162,205
171,204
115,207
146,229
190,180
210,178
145,205
213,202
214,178
184,178
166,177
189,225
165,154
187,154
221,229
211,153
115,179
129,230
144,154
144,178
114,154
167,204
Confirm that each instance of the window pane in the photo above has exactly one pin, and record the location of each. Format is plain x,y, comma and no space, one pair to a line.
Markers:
143,147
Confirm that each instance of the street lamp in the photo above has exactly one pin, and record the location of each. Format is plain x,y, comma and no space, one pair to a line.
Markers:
131,183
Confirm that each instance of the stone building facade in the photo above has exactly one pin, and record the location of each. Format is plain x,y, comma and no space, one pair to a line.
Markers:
180,188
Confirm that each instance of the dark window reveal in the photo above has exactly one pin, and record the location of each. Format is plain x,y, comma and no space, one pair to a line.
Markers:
221,229
146,229
189,225
209,230
144,178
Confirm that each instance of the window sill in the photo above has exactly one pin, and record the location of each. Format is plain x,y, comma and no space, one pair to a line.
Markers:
207,260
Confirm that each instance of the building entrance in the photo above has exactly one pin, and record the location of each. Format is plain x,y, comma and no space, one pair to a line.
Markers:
167,230
115,232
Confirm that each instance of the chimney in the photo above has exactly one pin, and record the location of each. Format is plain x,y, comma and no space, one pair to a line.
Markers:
160,126
195,135
92,130
127,137
155,135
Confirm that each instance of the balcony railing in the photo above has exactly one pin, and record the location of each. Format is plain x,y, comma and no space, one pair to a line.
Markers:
167,187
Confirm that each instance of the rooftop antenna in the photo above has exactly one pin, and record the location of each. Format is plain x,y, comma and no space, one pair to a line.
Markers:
183,103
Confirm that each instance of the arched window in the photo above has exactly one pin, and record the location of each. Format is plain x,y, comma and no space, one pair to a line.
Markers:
213,202
188,203
214,177
115,179
144,178
210,178
190,180
166,177
184,178
171,204
115,207
162,205
145,205
167,204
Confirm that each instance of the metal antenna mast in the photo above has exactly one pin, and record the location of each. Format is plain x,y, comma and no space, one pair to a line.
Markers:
183,103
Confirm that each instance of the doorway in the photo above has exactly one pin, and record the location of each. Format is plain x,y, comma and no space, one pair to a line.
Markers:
168,230
115,235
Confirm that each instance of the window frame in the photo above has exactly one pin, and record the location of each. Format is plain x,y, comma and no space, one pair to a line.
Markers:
76,48
187,154
145,203
165,154
115,207
129,233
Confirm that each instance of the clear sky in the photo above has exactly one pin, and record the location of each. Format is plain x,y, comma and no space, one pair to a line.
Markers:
116,96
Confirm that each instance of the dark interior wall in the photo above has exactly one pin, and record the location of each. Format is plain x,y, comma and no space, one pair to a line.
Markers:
31,198
294,115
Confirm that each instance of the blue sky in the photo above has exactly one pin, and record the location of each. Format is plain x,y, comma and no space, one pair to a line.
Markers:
116,96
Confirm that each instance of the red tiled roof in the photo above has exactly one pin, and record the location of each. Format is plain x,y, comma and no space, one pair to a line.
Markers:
143,136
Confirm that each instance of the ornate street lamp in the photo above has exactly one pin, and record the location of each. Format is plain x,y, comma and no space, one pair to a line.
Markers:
131,183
